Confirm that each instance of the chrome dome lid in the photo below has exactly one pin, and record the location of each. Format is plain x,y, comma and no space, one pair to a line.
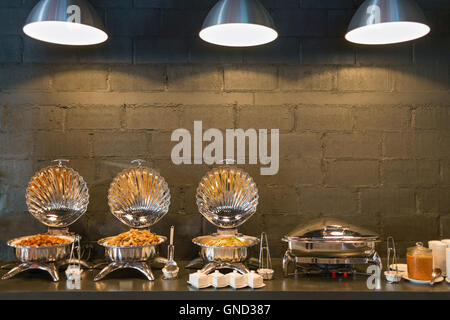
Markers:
57,195
330,230
139,196
227,196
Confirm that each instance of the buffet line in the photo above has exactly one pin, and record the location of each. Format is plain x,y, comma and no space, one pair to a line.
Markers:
227,196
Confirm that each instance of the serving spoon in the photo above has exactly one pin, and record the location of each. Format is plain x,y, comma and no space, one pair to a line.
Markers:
436,274
171,268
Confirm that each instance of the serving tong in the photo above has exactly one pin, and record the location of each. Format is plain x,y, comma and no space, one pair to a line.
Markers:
392,276
74,270
265,262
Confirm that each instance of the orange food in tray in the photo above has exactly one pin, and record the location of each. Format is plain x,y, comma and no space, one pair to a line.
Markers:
42,240
133,237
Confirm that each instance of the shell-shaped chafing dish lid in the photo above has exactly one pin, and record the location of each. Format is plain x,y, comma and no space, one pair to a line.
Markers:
227,196
139,196
57,195
330,230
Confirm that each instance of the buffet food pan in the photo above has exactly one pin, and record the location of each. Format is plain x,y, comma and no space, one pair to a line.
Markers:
338,249
131,253
331,238
44,253
227,254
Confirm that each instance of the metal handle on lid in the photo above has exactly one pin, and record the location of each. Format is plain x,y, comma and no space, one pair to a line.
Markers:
138,161
334,231
227,161
60,161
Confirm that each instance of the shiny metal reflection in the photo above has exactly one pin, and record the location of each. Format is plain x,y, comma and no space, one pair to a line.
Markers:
387,14
139,196
57,196
66,15
240,12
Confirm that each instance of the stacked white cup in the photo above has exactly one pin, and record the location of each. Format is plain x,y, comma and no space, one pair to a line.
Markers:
439,255
447,241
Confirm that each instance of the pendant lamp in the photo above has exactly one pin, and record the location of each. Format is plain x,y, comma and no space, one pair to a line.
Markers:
387,21
66,22
238,23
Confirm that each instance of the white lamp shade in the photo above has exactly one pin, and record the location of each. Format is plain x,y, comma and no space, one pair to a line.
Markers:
66,22
387,21
238,23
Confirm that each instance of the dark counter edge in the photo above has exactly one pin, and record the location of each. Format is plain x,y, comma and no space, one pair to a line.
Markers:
225,295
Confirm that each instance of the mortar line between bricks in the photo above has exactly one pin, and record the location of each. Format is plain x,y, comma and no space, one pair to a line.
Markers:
4,120
133,50
108,79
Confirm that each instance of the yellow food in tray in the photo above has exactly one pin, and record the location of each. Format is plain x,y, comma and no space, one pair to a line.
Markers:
226,242
133,237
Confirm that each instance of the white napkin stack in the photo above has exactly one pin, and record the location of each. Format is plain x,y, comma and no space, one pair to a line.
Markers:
199,280
219,280
238,280
255,280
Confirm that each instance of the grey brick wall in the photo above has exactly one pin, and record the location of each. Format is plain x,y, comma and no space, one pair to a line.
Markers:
364,130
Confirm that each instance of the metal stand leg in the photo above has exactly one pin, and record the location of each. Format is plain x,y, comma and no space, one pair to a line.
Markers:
100,265
144,268
16,270
8,266
210,267
113,266
160,260
239,267
213,266
50,268
287,259
197,262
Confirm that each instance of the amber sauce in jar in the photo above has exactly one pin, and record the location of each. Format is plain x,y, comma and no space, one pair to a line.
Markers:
420,268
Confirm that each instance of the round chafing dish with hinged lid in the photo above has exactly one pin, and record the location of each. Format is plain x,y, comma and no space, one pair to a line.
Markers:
231,257
139,197
227,197
57,196
330,242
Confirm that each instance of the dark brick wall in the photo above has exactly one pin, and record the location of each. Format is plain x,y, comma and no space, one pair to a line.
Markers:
365,131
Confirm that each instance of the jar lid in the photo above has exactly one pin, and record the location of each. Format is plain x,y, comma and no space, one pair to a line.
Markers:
419,249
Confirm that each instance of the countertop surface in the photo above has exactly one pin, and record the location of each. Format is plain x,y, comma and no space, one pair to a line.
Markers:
129,284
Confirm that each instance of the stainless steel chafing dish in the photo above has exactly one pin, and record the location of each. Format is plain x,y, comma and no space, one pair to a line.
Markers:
43,258
57,196
41,254
218,257
139,197
133,257
227,197
330,242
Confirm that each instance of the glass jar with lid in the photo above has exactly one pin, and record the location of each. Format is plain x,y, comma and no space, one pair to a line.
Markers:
420,262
